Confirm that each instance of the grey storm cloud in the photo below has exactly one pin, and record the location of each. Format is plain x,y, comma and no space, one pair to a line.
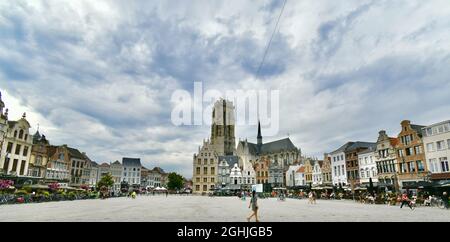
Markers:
100,74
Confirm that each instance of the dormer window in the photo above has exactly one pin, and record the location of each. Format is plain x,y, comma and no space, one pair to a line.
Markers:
21,134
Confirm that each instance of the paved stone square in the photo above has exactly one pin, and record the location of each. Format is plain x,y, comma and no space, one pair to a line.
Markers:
216,209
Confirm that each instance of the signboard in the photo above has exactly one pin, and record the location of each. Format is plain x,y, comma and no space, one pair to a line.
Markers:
257,187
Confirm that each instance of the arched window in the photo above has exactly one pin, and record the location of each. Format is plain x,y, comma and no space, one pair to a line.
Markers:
21,134
15,134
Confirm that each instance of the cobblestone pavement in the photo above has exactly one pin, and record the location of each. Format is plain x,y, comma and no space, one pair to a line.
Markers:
218,209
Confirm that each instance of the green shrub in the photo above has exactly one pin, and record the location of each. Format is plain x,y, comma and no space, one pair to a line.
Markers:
71,195
45,193
27,188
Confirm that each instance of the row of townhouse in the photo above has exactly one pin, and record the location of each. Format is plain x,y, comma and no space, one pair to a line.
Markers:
32,157
417,156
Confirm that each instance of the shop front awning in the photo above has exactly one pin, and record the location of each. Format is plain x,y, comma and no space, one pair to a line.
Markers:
442,184
416,184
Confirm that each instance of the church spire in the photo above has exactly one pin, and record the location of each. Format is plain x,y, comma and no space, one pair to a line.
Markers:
259,137
259,129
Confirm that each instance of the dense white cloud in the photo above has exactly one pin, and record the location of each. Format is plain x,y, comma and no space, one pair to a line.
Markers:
99,75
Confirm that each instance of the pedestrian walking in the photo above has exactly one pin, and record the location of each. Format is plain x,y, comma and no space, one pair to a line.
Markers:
243,196
254,205
405,200
310,198
445,199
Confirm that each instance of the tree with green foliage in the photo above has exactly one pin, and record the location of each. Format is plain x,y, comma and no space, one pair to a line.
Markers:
106,181
175,181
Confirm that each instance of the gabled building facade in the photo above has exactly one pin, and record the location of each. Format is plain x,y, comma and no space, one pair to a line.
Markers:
386,161
78,164
116,170
261,167
16,147
39,156
205,168
317,176
58,165
410,155
326,171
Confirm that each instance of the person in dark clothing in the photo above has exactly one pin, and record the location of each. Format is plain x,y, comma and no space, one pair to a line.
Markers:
405,200
445,199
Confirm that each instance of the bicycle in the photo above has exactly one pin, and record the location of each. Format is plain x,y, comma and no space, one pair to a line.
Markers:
7,199
437,202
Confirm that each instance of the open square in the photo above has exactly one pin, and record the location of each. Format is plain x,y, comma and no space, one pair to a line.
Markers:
215,209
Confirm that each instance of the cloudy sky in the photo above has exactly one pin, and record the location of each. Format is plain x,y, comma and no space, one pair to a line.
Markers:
99,75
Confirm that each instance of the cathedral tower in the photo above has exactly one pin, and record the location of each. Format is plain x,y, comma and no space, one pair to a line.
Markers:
222,128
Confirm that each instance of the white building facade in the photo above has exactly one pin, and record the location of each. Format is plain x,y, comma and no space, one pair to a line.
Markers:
131,171
317,177
338,170
436,139
300,178
290,175
93,175
367,167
